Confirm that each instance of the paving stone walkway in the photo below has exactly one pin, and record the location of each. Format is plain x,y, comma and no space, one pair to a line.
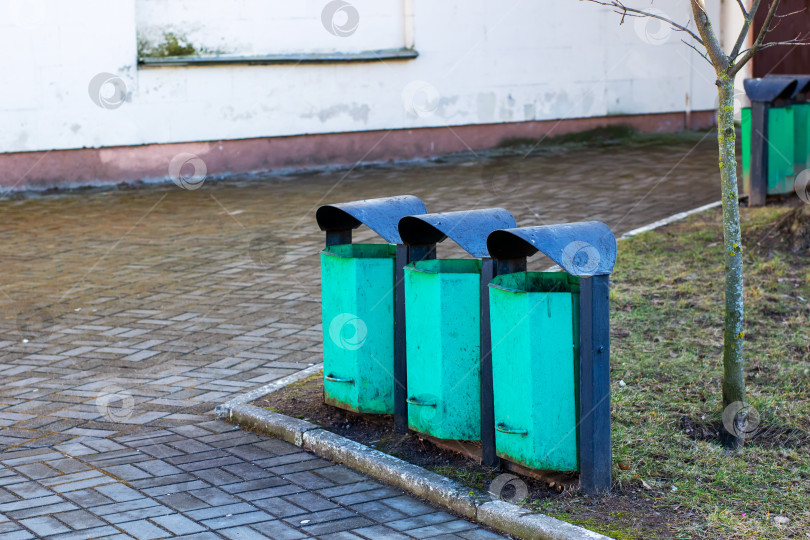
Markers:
128,314
202,480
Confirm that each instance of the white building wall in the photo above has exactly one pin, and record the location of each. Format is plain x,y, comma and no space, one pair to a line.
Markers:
480,61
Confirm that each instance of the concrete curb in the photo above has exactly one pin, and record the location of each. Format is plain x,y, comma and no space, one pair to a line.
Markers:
253,395
278,425
671,219
472,504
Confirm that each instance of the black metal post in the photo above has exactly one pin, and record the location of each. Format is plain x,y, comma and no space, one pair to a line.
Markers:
405,255
488,456
758,190
422,252
336,238
509,266
595,457
489,269
400,366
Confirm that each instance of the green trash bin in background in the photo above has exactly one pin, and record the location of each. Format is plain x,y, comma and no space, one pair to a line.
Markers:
801,120
357,282
443,320
781,149
551,349
535,359
363,307
769,132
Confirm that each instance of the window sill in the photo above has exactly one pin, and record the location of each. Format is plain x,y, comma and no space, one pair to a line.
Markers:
298,58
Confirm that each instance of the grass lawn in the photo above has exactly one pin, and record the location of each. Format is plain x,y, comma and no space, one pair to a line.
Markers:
666,304
672,478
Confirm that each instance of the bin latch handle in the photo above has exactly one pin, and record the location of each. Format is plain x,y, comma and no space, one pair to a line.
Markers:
503,428
332,378
416,401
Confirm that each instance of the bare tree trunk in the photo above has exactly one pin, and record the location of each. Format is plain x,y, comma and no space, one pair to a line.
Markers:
726,66
733,373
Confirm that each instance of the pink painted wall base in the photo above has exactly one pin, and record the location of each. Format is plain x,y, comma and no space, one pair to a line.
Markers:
105,166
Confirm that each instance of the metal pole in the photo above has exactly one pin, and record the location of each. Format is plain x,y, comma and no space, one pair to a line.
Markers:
488,456
336,238
400,366
594,385
405,255
509,266
489,269
759,153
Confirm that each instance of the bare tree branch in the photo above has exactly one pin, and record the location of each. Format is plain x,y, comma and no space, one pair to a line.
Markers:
785,43
758,42
749,18
701,53
786,15
709,39
725,66
625,11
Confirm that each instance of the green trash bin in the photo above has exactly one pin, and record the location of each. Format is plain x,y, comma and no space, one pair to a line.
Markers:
535,365
442,322
781,149
357,284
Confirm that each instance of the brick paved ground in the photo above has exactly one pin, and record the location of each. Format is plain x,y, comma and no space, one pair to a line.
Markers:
127,315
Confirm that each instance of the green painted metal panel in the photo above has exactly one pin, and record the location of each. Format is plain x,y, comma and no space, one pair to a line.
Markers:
357,284
535,364
781,140
745,133
801,121
442,324
781,149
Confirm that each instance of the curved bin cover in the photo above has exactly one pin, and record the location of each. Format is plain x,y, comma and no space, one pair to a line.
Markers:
467,228
770,89
380,215
582,249
802,83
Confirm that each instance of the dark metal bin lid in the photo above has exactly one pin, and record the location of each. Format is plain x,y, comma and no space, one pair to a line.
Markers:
582,249
467,228
802,83
380,215
770,89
